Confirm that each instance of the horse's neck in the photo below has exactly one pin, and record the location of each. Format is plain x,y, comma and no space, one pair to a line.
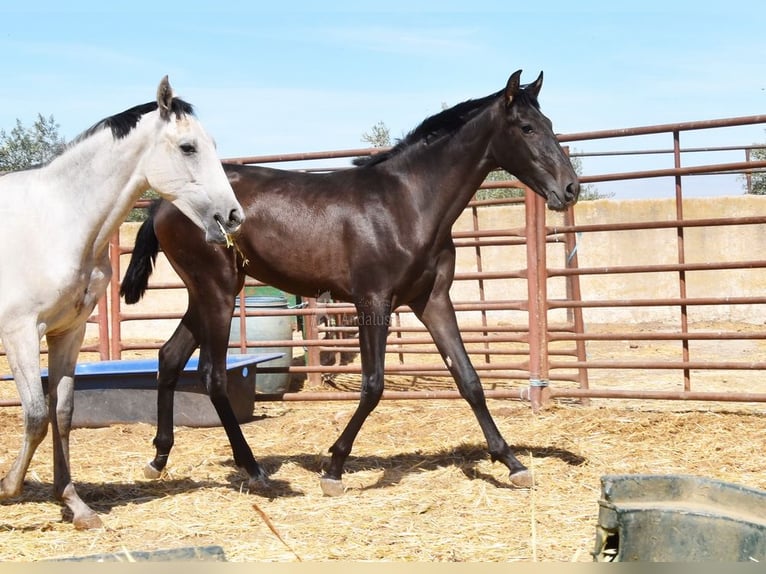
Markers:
455,167
98,183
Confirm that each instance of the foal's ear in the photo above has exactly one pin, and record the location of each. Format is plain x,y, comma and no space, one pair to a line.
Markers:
512,87
534,87
164,98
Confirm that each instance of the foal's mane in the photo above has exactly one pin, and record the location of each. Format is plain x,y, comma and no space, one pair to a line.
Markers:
443,124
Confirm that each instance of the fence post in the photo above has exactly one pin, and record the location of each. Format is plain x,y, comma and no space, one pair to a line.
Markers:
311,333
681,259
537,300
115,337
103,329
574,293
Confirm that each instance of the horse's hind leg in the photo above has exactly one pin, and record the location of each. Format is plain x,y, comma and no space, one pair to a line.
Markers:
436,312
173,356
23,351
373,330
62,358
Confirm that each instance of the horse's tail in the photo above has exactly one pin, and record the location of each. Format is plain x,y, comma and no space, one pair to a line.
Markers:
142,260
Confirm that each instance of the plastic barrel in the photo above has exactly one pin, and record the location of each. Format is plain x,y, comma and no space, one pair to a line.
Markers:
265,328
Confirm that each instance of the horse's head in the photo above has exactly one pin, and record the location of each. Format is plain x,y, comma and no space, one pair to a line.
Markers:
527,147
184,168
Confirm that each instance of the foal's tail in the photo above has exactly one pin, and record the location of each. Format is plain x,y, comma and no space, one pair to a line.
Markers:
142,260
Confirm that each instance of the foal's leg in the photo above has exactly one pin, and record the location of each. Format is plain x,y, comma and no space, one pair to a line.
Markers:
62,358
23,350
436,312
374,320
212,368
173,356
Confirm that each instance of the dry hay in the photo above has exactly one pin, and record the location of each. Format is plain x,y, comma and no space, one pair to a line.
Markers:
420,485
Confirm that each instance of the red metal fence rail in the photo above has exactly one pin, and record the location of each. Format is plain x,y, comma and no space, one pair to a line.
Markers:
525,354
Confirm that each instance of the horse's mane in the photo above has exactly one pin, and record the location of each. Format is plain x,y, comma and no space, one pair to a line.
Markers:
445,123
122,124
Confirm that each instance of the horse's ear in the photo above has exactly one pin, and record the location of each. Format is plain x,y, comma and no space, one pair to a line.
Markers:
512,87
534,87
164,98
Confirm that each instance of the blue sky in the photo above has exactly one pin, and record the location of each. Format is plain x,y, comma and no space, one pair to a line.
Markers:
299,76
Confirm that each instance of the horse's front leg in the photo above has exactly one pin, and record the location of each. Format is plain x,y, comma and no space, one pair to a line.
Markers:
212,368
62,358
172,359
22,346
374,319
436,312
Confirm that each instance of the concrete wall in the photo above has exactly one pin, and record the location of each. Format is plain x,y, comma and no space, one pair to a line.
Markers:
660,246
638,247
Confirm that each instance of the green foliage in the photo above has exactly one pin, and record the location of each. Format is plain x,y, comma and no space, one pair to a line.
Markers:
758,178
499,192
141,213
26,147
588,191
378,136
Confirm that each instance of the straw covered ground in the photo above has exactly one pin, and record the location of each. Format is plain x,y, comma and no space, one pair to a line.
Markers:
419,484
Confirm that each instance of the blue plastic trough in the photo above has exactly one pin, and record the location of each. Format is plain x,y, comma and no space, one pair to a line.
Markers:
125,391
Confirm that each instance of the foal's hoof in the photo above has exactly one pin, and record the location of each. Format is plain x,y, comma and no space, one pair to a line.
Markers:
151,472
522,479
258,483
331,486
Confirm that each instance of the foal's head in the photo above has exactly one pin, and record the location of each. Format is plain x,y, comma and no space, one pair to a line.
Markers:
527,147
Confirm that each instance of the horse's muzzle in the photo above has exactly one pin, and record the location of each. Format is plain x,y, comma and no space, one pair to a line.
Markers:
572,193
232,223
559,202
225,228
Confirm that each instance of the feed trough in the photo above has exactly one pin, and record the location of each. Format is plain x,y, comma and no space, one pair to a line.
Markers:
677,518
125,391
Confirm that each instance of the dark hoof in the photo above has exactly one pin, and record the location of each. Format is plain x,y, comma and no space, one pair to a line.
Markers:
331,486
259,482
522,479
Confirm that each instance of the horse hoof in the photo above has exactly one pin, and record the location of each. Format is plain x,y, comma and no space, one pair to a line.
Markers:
151,472
88,522
331,486
522,479
258,483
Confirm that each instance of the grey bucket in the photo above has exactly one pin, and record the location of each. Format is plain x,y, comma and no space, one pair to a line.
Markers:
265,328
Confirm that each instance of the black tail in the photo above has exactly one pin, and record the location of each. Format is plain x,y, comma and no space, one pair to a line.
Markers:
142,260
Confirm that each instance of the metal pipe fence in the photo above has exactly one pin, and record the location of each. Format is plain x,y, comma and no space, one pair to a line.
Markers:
526,324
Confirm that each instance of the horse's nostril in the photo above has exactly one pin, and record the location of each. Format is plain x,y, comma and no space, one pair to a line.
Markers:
236,217
573,190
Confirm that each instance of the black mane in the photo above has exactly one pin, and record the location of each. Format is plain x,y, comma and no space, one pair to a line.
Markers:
121,124
445,123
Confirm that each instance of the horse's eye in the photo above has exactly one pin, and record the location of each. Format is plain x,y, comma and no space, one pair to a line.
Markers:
188,148
527,129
